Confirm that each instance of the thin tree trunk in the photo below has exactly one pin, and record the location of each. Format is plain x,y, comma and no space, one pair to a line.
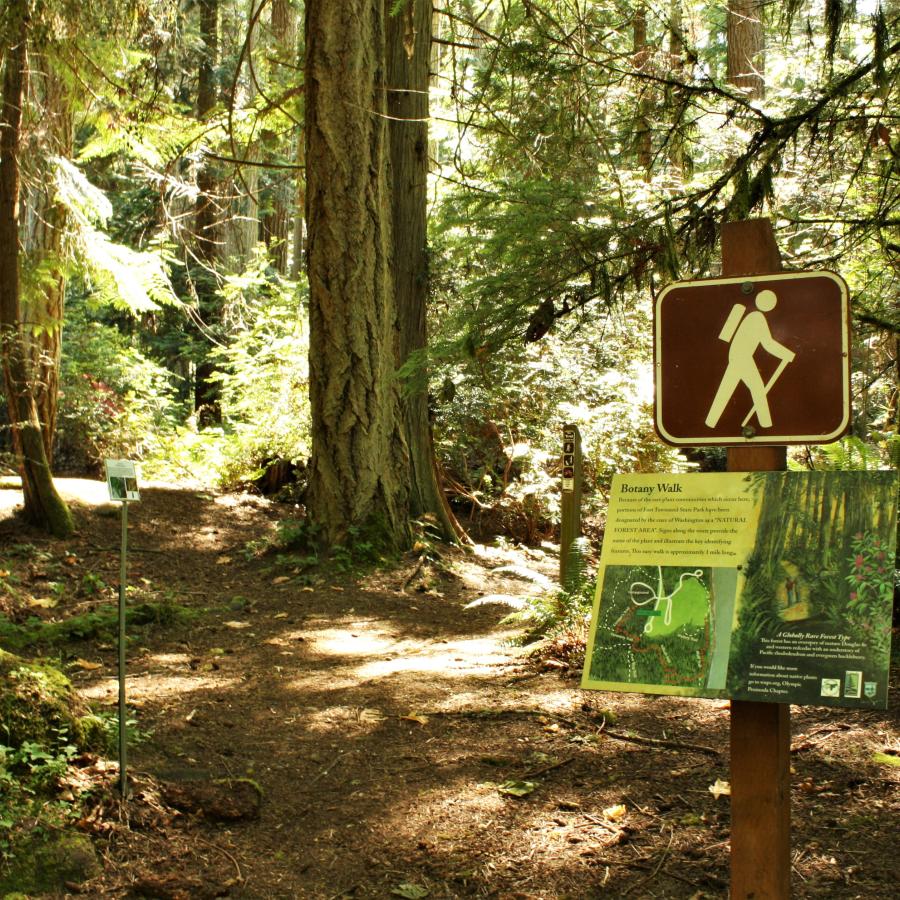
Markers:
43,240
408,55
43,505
240,230
298,248
678,143
206,214
746,47
359,472
276,221
643,136
207,94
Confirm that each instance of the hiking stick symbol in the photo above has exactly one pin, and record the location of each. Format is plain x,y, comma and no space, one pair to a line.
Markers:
745,335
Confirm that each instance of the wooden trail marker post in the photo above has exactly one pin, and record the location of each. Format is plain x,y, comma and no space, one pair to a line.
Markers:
570,515
760,732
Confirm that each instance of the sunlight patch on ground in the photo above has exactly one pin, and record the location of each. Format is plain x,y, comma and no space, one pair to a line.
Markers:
345,642
338,718
171,659
73,490
233,501
83,491
455,658
154,686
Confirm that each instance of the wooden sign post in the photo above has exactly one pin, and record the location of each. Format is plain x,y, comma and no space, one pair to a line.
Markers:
570,516
760,732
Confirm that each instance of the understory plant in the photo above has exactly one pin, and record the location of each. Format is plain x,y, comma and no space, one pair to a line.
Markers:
29,777
262,371
559,618
114,400
871,591
500,412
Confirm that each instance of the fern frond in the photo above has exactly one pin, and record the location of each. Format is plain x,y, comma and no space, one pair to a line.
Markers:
132,280
85,203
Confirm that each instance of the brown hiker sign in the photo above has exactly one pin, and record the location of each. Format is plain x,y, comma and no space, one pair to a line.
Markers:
759,359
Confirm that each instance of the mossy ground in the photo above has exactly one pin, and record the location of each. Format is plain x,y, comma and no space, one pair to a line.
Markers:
38,704
48,863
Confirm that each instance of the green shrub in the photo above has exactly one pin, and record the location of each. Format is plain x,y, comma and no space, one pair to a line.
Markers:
500,416
114,400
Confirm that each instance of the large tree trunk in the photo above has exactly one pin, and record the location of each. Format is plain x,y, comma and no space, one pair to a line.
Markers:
408,56
43,505
746,47
360,469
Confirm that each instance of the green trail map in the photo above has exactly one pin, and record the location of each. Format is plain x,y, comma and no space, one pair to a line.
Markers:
657,625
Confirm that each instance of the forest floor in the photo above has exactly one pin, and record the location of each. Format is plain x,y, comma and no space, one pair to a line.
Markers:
371,732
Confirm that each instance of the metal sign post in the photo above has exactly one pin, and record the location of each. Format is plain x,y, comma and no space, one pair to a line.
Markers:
570,515
760,732
123,780
121,480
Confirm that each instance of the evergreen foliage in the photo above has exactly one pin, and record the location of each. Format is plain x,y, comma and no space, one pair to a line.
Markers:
582,155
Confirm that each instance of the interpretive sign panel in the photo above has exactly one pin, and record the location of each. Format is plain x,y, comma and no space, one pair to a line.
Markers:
761,359
768,586
121,479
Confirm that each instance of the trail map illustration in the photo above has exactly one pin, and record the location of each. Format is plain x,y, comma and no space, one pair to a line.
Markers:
773,586
655,625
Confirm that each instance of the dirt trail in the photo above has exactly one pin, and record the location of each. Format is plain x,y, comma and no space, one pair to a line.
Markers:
389,727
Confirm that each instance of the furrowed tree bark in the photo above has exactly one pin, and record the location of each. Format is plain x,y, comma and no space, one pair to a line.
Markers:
359,472
408,56
43,505
746,47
